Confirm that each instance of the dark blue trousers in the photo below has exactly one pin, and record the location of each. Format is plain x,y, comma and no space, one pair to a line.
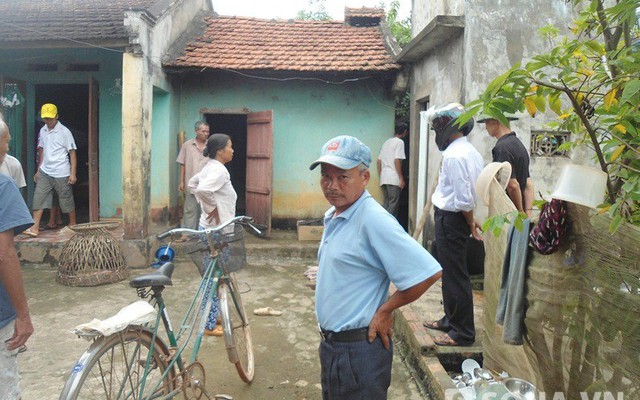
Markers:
355,370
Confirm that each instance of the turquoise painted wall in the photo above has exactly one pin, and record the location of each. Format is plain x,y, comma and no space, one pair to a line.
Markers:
163,148
15,64
306,115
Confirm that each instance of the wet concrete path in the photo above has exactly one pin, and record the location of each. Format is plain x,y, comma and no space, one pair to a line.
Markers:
285,347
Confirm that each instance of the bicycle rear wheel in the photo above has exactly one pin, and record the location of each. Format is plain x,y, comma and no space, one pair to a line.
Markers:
235,325
113,368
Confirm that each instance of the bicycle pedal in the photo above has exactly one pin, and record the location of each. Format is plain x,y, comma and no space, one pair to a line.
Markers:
223,397
152,364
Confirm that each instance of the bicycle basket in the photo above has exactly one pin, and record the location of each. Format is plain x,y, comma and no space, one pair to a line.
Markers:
233,256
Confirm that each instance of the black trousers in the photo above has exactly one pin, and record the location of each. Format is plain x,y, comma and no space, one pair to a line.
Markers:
452,232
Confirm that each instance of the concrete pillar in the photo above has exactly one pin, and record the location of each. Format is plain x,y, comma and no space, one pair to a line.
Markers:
136,145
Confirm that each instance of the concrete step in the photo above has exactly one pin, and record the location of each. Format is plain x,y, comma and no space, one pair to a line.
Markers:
282,248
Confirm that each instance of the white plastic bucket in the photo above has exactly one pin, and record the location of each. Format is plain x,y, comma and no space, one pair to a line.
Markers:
581,185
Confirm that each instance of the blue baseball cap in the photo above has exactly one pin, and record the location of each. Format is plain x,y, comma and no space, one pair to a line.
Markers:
344,152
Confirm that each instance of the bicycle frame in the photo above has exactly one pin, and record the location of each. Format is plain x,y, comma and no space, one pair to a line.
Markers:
168,361
212,276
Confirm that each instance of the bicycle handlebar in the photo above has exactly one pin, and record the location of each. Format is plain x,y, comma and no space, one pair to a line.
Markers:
243,220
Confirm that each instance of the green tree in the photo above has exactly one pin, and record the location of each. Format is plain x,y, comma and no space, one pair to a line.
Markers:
591,82
317,12
400,28
401,31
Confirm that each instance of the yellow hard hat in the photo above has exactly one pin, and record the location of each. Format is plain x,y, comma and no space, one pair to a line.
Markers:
49,111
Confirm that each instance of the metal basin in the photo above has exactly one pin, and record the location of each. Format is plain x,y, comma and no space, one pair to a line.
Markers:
521,389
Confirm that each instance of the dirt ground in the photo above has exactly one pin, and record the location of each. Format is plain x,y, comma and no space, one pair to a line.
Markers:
285,346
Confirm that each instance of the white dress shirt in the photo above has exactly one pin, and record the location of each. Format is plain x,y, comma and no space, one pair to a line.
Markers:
461,166
213,189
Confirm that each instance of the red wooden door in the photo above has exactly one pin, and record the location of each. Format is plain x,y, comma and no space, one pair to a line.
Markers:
94,183
260,167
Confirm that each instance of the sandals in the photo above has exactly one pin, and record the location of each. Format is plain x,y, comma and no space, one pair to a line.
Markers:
30,233
266,311
446,340
434,325
46,227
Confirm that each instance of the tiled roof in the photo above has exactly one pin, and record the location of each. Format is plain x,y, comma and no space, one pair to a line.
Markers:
363,12
38,20
285,45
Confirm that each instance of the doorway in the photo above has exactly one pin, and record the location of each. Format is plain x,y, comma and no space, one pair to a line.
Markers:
72,101
234,125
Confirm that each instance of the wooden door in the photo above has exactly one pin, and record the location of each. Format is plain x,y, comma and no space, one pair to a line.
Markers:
94,182
259,190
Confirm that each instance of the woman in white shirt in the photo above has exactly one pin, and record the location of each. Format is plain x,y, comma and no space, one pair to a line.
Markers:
214,192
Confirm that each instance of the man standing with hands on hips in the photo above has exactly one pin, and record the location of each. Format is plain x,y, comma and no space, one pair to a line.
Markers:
363,249
15,321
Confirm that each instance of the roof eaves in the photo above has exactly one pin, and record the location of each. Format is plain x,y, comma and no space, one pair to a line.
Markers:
114,43
438,31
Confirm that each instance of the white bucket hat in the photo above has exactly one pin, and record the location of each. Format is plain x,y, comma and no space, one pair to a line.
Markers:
501,172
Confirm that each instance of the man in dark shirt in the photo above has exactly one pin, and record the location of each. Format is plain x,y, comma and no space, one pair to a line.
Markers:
509,148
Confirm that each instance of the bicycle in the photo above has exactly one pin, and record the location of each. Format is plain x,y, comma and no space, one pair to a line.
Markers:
135,363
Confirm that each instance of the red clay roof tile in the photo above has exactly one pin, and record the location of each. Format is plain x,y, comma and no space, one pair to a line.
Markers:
286,45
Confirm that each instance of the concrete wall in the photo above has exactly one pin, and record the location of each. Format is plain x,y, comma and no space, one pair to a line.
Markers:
306,114
424,11
495,38
151,33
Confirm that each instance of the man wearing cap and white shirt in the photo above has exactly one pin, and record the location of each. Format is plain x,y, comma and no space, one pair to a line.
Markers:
363,249
390,169
57,169
509,148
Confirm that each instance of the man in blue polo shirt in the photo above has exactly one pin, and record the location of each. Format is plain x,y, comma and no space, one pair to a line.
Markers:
15,322
363,249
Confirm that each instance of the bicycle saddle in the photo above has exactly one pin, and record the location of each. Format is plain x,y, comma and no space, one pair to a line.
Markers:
159,277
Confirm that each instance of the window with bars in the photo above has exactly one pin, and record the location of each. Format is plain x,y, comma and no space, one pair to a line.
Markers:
547,143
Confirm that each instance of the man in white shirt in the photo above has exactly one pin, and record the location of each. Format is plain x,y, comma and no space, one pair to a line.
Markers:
390,169
454,200
9,165
57,169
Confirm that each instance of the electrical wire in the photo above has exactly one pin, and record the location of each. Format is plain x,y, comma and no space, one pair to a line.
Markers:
267,78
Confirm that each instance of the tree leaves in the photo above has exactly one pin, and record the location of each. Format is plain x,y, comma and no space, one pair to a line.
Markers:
630,90
594,73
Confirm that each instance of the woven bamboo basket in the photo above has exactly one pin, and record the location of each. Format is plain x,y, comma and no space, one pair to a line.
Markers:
92,257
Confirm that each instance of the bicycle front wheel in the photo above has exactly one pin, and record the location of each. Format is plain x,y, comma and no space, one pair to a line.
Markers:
235,325
114,368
